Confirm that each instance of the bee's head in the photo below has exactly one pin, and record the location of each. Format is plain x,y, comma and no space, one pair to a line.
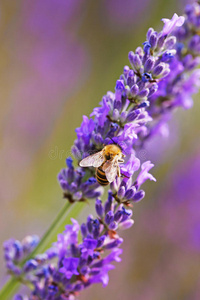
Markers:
111,151
114,148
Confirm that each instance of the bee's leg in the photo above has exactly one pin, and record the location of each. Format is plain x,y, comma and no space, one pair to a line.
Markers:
118,172
120,161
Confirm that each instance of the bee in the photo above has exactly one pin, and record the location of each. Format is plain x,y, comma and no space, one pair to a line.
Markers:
106,163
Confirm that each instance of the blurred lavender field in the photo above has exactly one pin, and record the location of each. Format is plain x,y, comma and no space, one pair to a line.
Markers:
58,58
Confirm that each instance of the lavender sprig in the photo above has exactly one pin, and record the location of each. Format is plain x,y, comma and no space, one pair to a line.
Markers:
178,87
124,117
72,265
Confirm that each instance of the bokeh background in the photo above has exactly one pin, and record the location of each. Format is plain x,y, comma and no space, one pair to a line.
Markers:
57,59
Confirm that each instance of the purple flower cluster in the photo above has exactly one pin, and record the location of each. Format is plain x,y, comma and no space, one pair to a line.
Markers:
128,192
75,189
15,252
78,265
123,118
71,266
183,80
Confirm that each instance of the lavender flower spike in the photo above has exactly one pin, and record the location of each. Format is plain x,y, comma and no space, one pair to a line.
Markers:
75,266
162,75
71,266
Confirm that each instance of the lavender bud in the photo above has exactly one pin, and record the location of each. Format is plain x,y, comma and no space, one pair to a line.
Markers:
139,51
63,184
107,206
149,33
119,86
114,244
108,203
141,85
130,193
117,104
144,104
90,243
30,265
70,175
118,215
69,162
131,56
121,192
76,153
130,118
51,253
147,47
126,214
98,139
96,228
73,187
89,223
83,230
127,91
160,70
91,181
126,70
153,40
15,269
135,61
134,90
160,42
11,267
131,78
139,196
99,208
153,89
113,225
78,287
168,55
109,217
148,66
170,42
18,250
77,196
100,241
123,116
115,115
127,224
131,74
144,93
114,186
30,242
165,72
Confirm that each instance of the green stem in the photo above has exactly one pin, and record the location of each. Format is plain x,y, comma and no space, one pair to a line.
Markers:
63,218
43,242
9,289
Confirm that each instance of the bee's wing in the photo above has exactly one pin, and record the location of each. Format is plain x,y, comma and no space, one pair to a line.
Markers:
94,160
111,170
